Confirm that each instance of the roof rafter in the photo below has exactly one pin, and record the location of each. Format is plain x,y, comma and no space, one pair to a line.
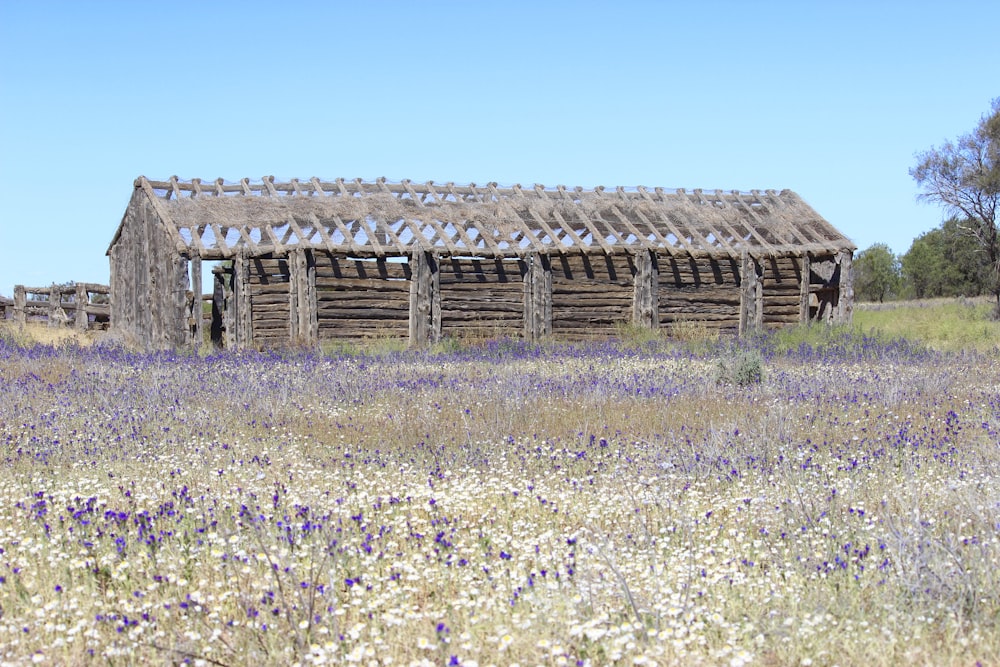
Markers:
382,218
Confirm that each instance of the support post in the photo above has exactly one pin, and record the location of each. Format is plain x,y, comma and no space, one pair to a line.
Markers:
845,293
311,297
20,304
241,318
196,331
804,289
219,312
645,306
180,309
425,299
82,301
302,297
56,314
538,298
751,292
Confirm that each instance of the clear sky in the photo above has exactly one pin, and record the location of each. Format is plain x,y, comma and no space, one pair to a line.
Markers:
829,99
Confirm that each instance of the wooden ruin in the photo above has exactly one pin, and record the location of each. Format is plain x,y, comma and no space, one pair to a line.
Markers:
302,261
82,306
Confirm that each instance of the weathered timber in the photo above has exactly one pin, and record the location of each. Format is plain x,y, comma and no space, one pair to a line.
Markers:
425,300
195,319
845,300
573,262
645,290
804,293
58,305
538,298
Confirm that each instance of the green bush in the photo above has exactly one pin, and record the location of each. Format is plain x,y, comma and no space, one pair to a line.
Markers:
741,368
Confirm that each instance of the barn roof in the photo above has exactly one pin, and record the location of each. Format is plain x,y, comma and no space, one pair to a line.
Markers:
218,219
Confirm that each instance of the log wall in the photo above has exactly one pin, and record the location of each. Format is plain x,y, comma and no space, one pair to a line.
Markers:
361,298
149,280
702,290
592,295
481,297
781,289
268,291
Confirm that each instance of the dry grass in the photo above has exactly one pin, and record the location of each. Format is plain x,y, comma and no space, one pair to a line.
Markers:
42,334
593,505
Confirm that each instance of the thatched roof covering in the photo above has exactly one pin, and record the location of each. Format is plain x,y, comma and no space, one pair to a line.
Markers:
216,219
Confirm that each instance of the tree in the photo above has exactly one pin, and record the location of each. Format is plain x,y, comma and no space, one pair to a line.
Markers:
964,177
876,273
946,261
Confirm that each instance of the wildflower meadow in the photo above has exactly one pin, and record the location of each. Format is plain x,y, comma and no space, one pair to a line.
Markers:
500,504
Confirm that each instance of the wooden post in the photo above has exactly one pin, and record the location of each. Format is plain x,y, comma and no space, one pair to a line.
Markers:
219,311
196,332
244,303
82,301
295,294
804,289
312,301
56,316
845,294
538,298
751,292
20,304
181,306
645,305
302,297
758,300
239,323
150,292
425,299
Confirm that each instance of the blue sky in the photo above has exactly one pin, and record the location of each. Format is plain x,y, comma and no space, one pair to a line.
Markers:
831,100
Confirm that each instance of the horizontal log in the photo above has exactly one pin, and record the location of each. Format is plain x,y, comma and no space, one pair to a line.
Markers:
271,319
694,296
328,296
669,318
472,285
585,288
269,299
466,316
365,327
491,307
481,322
269,310
474,290
268,289
781,303
360,305
323,282
603,327
364,313
716,325
363,271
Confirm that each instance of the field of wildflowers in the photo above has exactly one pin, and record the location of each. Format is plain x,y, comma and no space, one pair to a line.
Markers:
498,505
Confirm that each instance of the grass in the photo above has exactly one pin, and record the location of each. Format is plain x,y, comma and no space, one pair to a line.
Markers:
35,333
501,503
941,324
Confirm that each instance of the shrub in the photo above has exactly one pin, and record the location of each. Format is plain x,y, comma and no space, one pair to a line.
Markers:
740,368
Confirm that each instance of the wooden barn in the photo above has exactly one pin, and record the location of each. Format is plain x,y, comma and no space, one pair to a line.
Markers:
306,260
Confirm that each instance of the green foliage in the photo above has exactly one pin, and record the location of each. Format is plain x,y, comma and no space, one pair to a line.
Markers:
741,368
876,274
964,178
946,262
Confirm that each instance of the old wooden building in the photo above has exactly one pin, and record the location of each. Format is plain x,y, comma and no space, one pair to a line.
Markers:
300,261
